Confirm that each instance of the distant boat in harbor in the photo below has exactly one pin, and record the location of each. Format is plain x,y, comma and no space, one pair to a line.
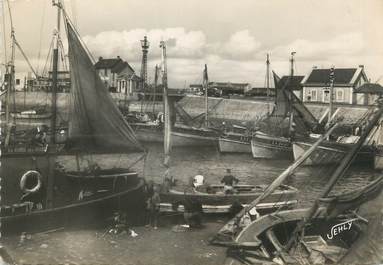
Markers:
289,119
31,115
235,141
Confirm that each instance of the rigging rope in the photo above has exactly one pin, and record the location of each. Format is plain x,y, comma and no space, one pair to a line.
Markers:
4,36
26,58
41,33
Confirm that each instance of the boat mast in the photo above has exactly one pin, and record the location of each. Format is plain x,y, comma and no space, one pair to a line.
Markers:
167,126
206,87
55,71
10,69
11,79
339,172
144,68
331,106
155,86
291,120
268,81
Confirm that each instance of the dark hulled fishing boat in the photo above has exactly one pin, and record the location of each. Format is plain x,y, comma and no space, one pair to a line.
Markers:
289,119
39,194
332,152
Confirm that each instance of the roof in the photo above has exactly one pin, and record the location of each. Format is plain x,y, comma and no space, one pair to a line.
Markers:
370,88
107,63
322,76
294,84
115,64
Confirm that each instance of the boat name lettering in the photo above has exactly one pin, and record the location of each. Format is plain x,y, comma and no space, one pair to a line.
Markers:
339,228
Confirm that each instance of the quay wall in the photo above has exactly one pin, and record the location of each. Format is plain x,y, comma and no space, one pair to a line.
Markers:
239,111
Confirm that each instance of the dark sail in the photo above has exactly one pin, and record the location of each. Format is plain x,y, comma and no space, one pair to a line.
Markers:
277,123
95,120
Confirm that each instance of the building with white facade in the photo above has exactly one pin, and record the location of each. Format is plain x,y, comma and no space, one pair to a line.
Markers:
316,86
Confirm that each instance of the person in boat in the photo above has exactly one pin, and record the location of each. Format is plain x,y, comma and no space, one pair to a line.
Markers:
228,181
39,136
199,185
153,207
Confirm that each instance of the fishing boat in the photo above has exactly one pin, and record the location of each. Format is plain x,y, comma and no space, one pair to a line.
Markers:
320,234
214,199
32,114
183,134
289,119
234,143
39,193
239,139
332,152
322,243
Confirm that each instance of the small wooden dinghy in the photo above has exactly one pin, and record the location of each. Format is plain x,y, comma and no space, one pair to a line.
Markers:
31,115
214,200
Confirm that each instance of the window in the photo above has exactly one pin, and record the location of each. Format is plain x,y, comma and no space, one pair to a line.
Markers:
314,96
17,81
339,95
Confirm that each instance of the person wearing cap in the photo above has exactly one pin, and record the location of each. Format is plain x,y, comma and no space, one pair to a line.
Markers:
228,181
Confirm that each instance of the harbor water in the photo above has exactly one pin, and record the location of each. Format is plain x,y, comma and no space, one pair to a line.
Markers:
165,246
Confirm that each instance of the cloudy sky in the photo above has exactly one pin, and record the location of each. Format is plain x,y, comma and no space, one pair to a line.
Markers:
232,37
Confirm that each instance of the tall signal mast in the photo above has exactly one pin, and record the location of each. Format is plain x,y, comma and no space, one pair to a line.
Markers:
144,65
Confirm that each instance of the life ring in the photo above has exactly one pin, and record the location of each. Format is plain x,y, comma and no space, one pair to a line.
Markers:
28,174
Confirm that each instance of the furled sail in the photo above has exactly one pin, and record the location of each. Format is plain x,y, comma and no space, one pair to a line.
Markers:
277,123
95,120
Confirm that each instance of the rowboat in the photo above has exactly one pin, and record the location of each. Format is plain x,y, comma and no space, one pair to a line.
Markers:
214,200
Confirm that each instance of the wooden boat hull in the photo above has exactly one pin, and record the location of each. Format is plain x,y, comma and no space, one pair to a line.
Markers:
263,146
378,160
31,116
331,153
227,145
259,230
147,133
221,203
189,139
81,213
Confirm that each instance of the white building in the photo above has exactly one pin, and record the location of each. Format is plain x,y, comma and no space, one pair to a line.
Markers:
316,86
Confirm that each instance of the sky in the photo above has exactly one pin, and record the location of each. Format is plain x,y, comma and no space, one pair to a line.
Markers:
231,37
